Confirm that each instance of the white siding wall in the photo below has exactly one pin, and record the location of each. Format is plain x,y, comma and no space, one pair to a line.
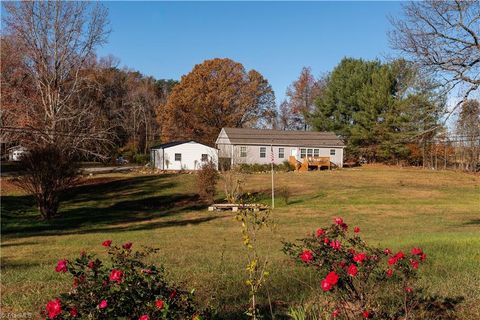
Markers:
191,156
253,154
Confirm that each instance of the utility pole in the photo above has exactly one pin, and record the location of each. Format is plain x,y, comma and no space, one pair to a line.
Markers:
271,166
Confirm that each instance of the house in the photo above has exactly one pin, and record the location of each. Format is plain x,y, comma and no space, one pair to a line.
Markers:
182,155
16,153
316,149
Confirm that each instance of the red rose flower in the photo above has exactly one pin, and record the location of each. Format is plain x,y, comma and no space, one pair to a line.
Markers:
335,313
326,241
414,264
127,245
332,278
392,261
107,243
338,221
408,290
399,255
74,312
360,257
306,256
342,263
352,270
344,226
61,266
91,264
366,314
103,304
423,257
389,272
54,308
320,232
116,275
326,286
335,244
144,317
159,304
387,251
417,251
173,294
356,229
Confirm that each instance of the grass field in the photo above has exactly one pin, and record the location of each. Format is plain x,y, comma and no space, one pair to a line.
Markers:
395,207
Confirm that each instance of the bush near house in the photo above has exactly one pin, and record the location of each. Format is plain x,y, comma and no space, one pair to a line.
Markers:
256,167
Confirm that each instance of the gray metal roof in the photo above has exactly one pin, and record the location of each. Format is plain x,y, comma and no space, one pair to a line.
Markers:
283,137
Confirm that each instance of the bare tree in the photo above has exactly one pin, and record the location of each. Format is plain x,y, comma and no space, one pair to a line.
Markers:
443,38
57,40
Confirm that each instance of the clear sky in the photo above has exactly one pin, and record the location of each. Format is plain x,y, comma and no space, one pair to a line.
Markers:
166,39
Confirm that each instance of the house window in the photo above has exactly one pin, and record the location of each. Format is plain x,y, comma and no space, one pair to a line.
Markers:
204,157
303,153
332,152
281,153
309,152
243,152
316,152
178,157
263,152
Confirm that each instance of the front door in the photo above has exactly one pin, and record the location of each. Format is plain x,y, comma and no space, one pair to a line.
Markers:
293,153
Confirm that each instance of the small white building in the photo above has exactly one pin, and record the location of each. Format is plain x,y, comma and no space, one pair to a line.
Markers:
16,153
182,155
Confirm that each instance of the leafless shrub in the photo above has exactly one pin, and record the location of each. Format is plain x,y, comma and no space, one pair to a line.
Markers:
45,173
233,180
207,178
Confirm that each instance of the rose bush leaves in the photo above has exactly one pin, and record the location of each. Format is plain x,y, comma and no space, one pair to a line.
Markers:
126,288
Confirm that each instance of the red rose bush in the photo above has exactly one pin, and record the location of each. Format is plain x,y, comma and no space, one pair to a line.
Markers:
126,288
359,281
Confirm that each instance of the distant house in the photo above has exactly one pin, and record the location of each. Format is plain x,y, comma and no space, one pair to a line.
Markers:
182,155
242,145
16,153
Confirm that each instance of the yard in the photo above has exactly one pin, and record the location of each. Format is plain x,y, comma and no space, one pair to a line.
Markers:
395,207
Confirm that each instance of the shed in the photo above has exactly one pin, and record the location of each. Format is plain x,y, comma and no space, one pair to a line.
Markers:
182,155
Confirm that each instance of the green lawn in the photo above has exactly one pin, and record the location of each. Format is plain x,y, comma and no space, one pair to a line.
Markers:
399,208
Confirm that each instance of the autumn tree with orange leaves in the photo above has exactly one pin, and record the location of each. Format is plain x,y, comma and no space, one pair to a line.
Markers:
301,99
215,94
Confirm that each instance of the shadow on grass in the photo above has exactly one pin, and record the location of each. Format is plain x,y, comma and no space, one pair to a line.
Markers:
105,207
472,222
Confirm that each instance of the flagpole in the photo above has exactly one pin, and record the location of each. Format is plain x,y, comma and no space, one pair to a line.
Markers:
271,165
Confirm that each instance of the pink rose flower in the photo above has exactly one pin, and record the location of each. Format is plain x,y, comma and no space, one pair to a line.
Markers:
61,266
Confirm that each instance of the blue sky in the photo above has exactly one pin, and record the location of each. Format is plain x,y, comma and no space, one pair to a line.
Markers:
166,39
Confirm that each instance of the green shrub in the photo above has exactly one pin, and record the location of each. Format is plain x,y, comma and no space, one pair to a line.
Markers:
141,158
126,288
256,167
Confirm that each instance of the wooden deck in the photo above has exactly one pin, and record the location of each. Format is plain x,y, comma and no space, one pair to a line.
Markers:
311,163
234,207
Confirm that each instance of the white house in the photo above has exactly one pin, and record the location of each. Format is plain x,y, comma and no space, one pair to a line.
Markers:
16,153
245,145
182,155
